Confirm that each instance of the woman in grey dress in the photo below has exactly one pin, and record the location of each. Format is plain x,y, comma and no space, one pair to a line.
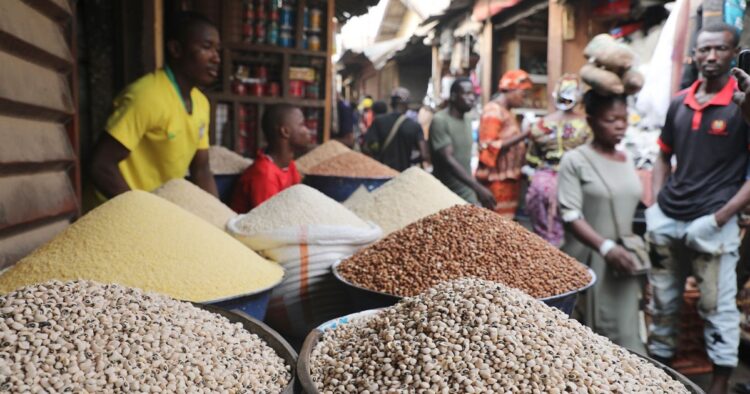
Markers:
586,205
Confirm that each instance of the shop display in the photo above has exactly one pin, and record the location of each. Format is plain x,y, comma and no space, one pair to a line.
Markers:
298,205
471,335
196,201
265,40
459,242
410,196
143,241
353,165
321,153
87,337
226,162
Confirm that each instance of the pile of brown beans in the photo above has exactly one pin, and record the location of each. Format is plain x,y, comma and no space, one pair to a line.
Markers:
464,241
353,165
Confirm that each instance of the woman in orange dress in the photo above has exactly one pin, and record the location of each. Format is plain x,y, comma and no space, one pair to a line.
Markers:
502,148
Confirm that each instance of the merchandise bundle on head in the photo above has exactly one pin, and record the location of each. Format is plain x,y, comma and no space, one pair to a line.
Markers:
611,67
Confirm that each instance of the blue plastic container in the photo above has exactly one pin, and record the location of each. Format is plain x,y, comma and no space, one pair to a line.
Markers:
225,185
254,304
340,188
364,299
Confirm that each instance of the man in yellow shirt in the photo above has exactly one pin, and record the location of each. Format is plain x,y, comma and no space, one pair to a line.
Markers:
159,128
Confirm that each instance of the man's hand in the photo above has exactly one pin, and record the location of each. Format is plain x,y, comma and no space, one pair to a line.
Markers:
620,260
485,197
741,97
105,170
200,172
701,234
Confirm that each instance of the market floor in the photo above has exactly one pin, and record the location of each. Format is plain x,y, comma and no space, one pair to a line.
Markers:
740,375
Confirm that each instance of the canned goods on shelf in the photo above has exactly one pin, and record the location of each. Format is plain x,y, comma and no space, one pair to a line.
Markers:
312,91
312,124
273,89
238,87
272,37
297,88
260,32
248,32
260,12
316,15
313,42
256,89
261,72
285,39
286,16
273,15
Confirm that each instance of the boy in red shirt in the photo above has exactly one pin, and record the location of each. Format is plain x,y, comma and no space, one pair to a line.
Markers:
274,169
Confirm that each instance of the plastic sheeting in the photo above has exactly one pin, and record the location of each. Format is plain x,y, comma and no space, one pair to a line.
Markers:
653,100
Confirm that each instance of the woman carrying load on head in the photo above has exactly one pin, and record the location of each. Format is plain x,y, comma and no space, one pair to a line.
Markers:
598,191
551,137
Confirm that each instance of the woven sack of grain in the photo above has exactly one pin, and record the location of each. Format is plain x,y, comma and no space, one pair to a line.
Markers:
317,233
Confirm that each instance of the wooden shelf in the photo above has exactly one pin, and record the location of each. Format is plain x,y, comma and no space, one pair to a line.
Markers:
307,103
241,46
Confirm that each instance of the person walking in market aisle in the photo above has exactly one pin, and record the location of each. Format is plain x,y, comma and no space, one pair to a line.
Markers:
693,227
394,139
450,146
159,128
551,137
598,191
273,169
502,148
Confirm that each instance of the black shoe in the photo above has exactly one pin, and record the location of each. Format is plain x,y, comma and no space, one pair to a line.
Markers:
742,388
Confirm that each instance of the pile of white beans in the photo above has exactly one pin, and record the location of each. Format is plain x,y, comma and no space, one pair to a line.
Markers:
476,336
87,337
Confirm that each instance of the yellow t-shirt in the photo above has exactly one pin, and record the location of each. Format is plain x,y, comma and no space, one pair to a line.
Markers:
151,121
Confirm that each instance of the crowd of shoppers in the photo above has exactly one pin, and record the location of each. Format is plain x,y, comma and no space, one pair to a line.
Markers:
583,191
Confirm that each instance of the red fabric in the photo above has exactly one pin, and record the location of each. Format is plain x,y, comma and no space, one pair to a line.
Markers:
723,98
261,181
664,147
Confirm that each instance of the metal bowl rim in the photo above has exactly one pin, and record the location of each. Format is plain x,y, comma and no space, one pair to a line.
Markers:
252,293
337,274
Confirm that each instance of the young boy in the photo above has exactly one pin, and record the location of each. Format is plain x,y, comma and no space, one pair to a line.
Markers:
274,169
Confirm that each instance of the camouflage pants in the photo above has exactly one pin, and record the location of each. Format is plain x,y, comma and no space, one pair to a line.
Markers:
712,261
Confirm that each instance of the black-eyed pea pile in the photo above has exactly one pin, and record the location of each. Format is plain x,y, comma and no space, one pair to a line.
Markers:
476,336
87,337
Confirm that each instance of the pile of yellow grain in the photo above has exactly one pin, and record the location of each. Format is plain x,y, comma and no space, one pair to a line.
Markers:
196,201
140,240
324,152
